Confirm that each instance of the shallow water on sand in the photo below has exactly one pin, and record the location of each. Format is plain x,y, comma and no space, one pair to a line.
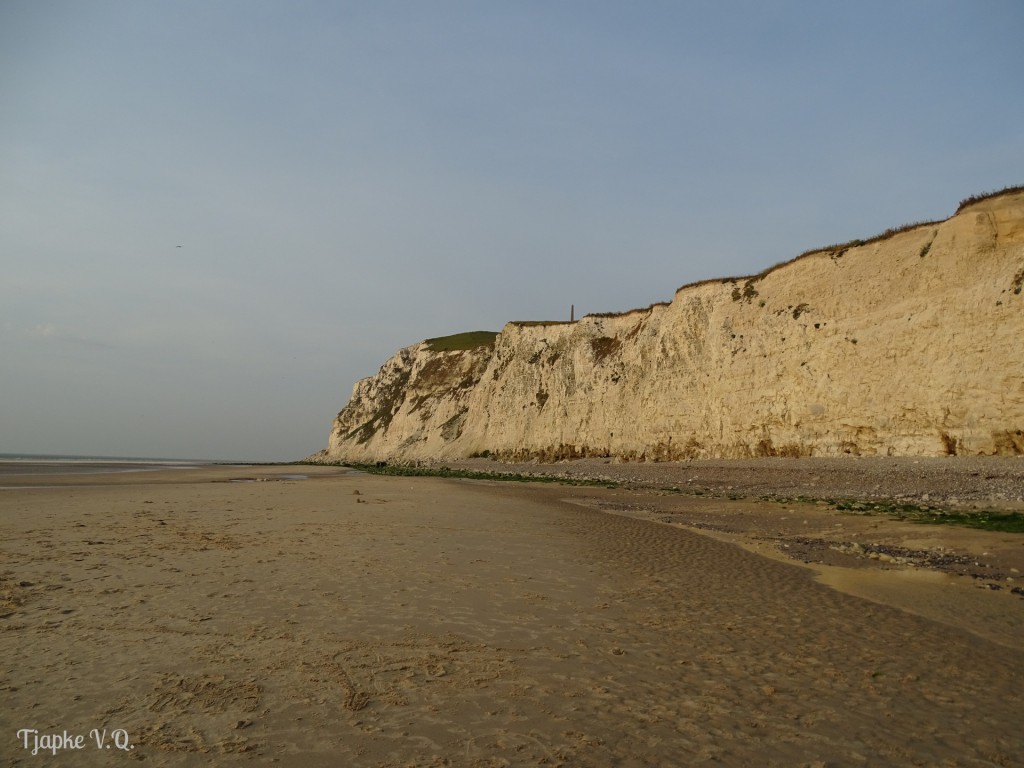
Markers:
85,466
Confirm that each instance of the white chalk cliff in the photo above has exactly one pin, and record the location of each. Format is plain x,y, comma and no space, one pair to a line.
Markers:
911,344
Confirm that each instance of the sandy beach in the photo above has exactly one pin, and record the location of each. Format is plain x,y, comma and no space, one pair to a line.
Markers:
228,615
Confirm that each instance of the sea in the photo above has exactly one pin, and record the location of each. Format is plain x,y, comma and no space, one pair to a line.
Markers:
44,464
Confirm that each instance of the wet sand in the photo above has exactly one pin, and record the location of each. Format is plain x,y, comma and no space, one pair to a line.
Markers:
355,620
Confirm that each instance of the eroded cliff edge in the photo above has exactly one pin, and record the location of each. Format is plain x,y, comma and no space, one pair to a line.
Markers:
910,344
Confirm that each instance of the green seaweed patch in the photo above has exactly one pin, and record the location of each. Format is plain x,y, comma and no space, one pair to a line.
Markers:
1004,522
925,514
461,341
406,470
988,520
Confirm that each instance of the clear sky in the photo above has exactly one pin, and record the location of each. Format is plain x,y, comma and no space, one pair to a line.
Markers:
216,216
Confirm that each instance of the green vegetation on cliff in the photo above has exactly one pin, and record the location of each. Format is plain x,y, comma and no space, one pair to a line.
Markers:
460,341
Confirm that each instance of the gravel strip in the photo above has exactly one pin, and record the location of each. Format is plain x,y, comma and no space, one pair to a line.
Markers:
967,481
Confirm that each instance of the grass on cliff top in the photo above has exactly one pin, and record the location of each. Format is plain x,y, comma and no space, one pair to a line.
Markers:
534,323
838,249
460,341
968,201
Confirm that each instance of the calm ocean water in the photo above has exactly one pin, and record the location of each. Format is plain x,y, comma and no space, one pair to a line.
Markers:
30,464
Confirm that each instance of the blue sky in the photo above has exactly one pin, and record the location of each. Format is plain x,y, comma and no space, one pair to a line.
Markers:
348,178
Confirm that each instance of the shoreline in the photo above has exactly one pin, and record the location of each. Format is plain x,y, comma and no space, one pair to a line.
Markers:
951,479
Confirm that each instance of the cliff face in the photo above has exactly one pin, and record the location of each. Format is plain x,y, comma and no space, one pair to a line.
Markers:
911,344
